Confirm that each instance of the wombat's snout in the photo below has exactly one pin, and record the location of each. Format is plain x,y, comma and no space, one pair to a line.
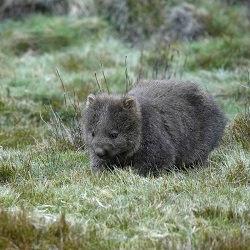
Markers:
100,152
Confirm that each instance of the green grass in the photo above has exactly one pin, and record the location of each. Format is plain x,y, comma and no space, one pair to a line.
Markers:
49,197
225,52
122,209
44,34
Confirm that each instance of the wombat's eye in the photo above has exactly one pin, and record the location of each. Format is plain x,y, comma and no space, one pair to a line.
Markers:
93,134
113,135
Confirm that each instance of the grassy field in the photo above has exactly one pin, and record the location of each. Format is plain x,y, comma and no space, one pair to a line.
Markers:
49,199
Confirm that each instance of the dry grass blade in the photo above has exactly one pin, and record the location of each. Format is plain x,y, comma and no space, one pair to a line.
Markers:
105,80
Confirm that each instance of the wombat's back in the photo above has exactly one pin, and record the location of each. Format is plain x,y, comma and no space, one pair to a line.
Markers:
191,116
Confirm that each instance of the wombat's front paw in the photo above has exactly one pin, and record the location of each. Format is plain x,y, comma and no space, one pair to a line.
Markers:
95,169
100,167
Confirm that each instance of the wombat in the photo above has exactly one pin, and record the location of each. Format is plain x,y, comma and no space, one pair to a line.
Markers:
156,126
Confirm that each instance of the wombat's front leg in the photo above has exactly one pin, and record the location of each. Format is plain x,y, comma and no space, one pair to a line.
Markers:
95,164
98,165
154,164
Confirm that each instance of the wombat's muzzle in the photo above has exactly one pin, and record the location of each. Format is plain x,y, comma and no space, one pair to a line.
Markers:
101,153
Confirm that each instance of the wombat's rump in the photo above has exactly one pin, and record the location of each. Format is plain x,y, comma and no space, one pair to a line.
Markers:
155,126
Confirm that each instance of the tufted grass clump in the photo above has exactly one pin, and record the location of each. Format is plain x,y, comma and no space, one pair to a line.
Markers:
241,130
30,233
8,172
65,134
14,168
66,131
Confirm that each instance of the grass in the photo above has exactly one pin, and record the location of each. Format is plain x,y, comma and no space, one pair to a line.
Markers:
220,53
113,209
43,34
49,197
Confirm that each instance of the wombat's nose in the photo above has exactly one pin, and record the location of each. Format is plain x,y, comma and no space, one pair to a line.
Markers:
100,152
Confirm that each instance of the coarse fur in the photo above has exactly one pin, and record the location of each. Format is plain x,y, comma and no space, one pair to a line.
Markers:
157,125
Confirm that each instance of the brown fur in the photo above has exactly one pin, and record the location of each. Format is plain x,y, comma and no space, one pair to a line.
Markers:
156,125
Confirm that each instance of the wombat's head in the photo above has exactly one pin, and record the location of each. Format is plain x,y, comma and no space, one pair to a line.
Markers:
112,125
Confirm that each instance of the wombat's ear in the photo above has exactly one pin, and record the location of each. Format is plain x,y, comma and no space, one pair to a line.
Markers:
90,99
129,103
